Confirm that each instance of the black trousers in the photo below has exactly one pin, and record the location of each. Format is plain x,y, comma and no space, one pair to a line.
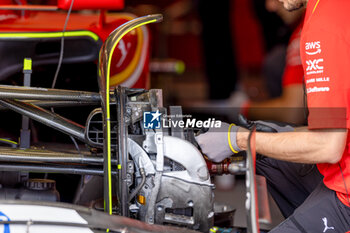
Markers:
307,204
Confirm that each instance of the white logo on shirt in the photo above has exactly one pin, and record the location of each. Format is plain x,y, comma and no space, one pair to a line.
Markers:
313,48
326,227
318,80
317,89
314,66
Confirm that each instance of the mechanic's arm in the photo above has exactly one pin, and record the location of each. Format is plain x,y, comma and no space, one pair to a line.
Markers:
302,146
286,108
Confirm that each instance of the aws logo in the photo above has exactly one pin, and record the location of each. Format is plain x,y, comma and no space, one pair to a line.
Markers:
313,48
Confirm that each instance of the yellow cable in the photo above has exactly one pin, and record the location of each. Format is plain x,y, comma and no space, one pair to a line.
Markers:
108,115
9,141
229,138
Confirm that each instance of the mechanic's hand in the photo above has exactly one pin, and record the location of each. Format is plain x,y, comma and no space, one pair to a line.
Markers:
215,145
264,126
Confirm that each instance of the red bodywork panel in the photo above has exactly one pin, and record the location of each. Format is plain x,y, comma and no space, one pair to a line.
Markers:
131,57
91,4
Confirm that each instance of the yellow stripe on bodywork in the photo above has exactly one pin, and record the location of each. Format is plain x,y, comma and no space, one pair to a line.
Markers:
49,34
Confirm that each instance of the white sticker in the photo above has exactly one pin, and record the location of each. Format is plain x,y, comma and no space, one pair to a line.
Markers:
40,213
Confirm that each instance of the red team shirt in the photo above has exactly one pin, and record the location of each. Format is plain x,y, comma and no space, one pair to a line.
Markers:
325,55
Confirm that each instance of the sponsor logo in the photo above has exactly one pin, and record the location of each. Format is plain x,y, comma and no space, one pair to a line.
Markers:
151,120
192,123
314,66
326,227
123,51
317,80
313,48
5,227
317,89
323,79
313,45
311,80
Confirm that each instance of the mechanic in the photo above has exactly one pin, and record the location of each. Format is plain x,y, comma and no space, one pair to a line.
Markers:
289,106
312,205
